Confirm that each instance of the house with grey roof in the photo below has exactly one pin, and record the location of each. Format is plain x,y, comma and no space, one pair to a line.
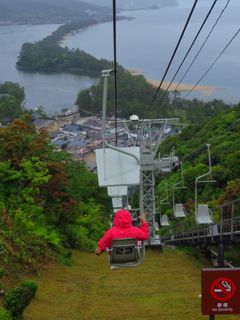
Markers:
48,125
77,146
60,144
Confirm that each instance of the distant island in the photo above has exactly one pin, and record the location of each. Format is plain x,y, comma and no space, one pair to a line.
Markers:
47,54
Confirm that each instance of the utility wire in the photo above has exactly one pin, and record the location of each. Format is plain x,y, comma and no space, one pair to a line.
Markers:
189,49
179,41
213,63
211,139
202,45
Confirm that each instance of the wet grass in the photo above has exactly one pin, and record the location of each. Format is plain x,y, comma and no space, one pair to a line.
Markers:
166,286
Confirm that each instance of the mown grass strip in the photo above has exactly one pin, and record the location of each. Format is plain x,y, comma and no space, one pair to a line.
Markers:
166,286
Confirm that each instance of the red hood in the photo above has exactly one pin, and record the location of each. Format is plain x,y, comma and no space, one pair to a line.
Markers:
123,219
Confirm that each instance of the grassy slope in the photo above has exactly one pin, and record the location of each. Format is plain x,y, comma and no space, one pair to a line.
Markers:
166,286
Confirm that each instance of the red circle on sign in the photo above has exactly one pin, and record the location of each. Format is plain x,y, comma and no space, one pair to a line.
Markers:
223,289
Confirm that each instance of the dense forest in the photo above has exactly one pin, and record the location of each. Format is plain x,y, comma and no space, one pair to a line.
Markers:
222,133
48,55
47,201
135,95
11,101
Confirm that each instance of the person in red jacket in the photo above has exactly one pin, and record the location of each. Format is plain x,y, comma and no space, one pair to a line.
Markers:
123,228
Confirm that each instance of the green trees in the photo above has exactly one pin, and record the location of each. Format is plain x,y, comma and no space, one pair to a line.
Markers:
135,96
46,200
11,99
222,132
48,55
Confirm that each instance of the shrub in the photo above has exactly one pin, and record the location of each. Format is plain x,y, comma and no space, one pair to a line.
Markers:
17,299
31,285
1,272
5,315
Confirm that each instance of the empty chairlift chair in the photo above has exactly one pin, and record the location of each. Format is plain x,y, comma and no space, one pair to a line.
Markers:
179,211
204,214
164,221
126,252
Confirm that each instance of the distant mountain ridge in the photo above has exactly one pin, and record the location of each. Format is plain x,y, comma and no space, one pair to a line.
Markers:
47,11
65,11
136,4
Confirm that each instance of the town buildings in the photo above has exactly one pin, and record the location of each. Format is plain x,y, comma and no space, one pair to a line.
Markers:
80,137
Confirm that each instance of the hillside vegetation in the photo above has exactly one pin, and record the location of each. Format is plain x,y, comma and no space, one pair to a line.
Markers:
135,95
11,99
47,201
222,133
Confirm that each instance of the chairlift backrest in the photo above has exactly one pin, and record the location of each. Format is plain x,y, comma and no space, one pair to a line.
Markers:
156,226
204,214
164,220
117,202
126,252
179,211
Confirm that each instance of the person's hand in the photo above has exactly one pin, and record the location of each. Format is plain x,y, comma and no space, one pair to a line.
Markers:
98,252
142,218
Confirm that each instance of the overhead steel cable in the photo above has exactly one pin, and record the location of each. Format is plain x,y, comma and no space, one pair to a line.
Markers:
202,45
176,48
190,48
115,66
213,63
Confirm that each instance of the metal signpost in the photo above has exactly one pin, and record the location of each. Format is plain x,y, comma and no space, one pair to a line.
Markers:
220,291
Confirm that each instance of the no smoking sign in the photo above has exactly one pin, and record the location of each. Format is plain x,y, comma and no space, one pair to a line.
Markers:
220,291
223,289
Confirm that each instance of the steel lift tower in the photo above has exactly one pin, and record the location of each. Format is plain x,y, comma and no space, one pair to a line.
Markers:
146,162
150,134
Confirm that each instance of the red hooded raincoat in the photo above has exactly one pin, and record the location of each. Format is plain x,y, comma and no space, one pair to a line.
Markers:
123,229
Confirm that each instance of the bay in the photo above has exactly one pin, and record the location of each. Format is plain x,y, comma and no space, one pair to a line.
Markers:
145,43
148,41
53,91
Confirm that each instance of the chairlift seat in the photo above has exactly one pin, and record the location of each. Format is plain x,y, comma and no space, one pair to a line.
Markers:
126,252
204,215
179,211
164,220
156,226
